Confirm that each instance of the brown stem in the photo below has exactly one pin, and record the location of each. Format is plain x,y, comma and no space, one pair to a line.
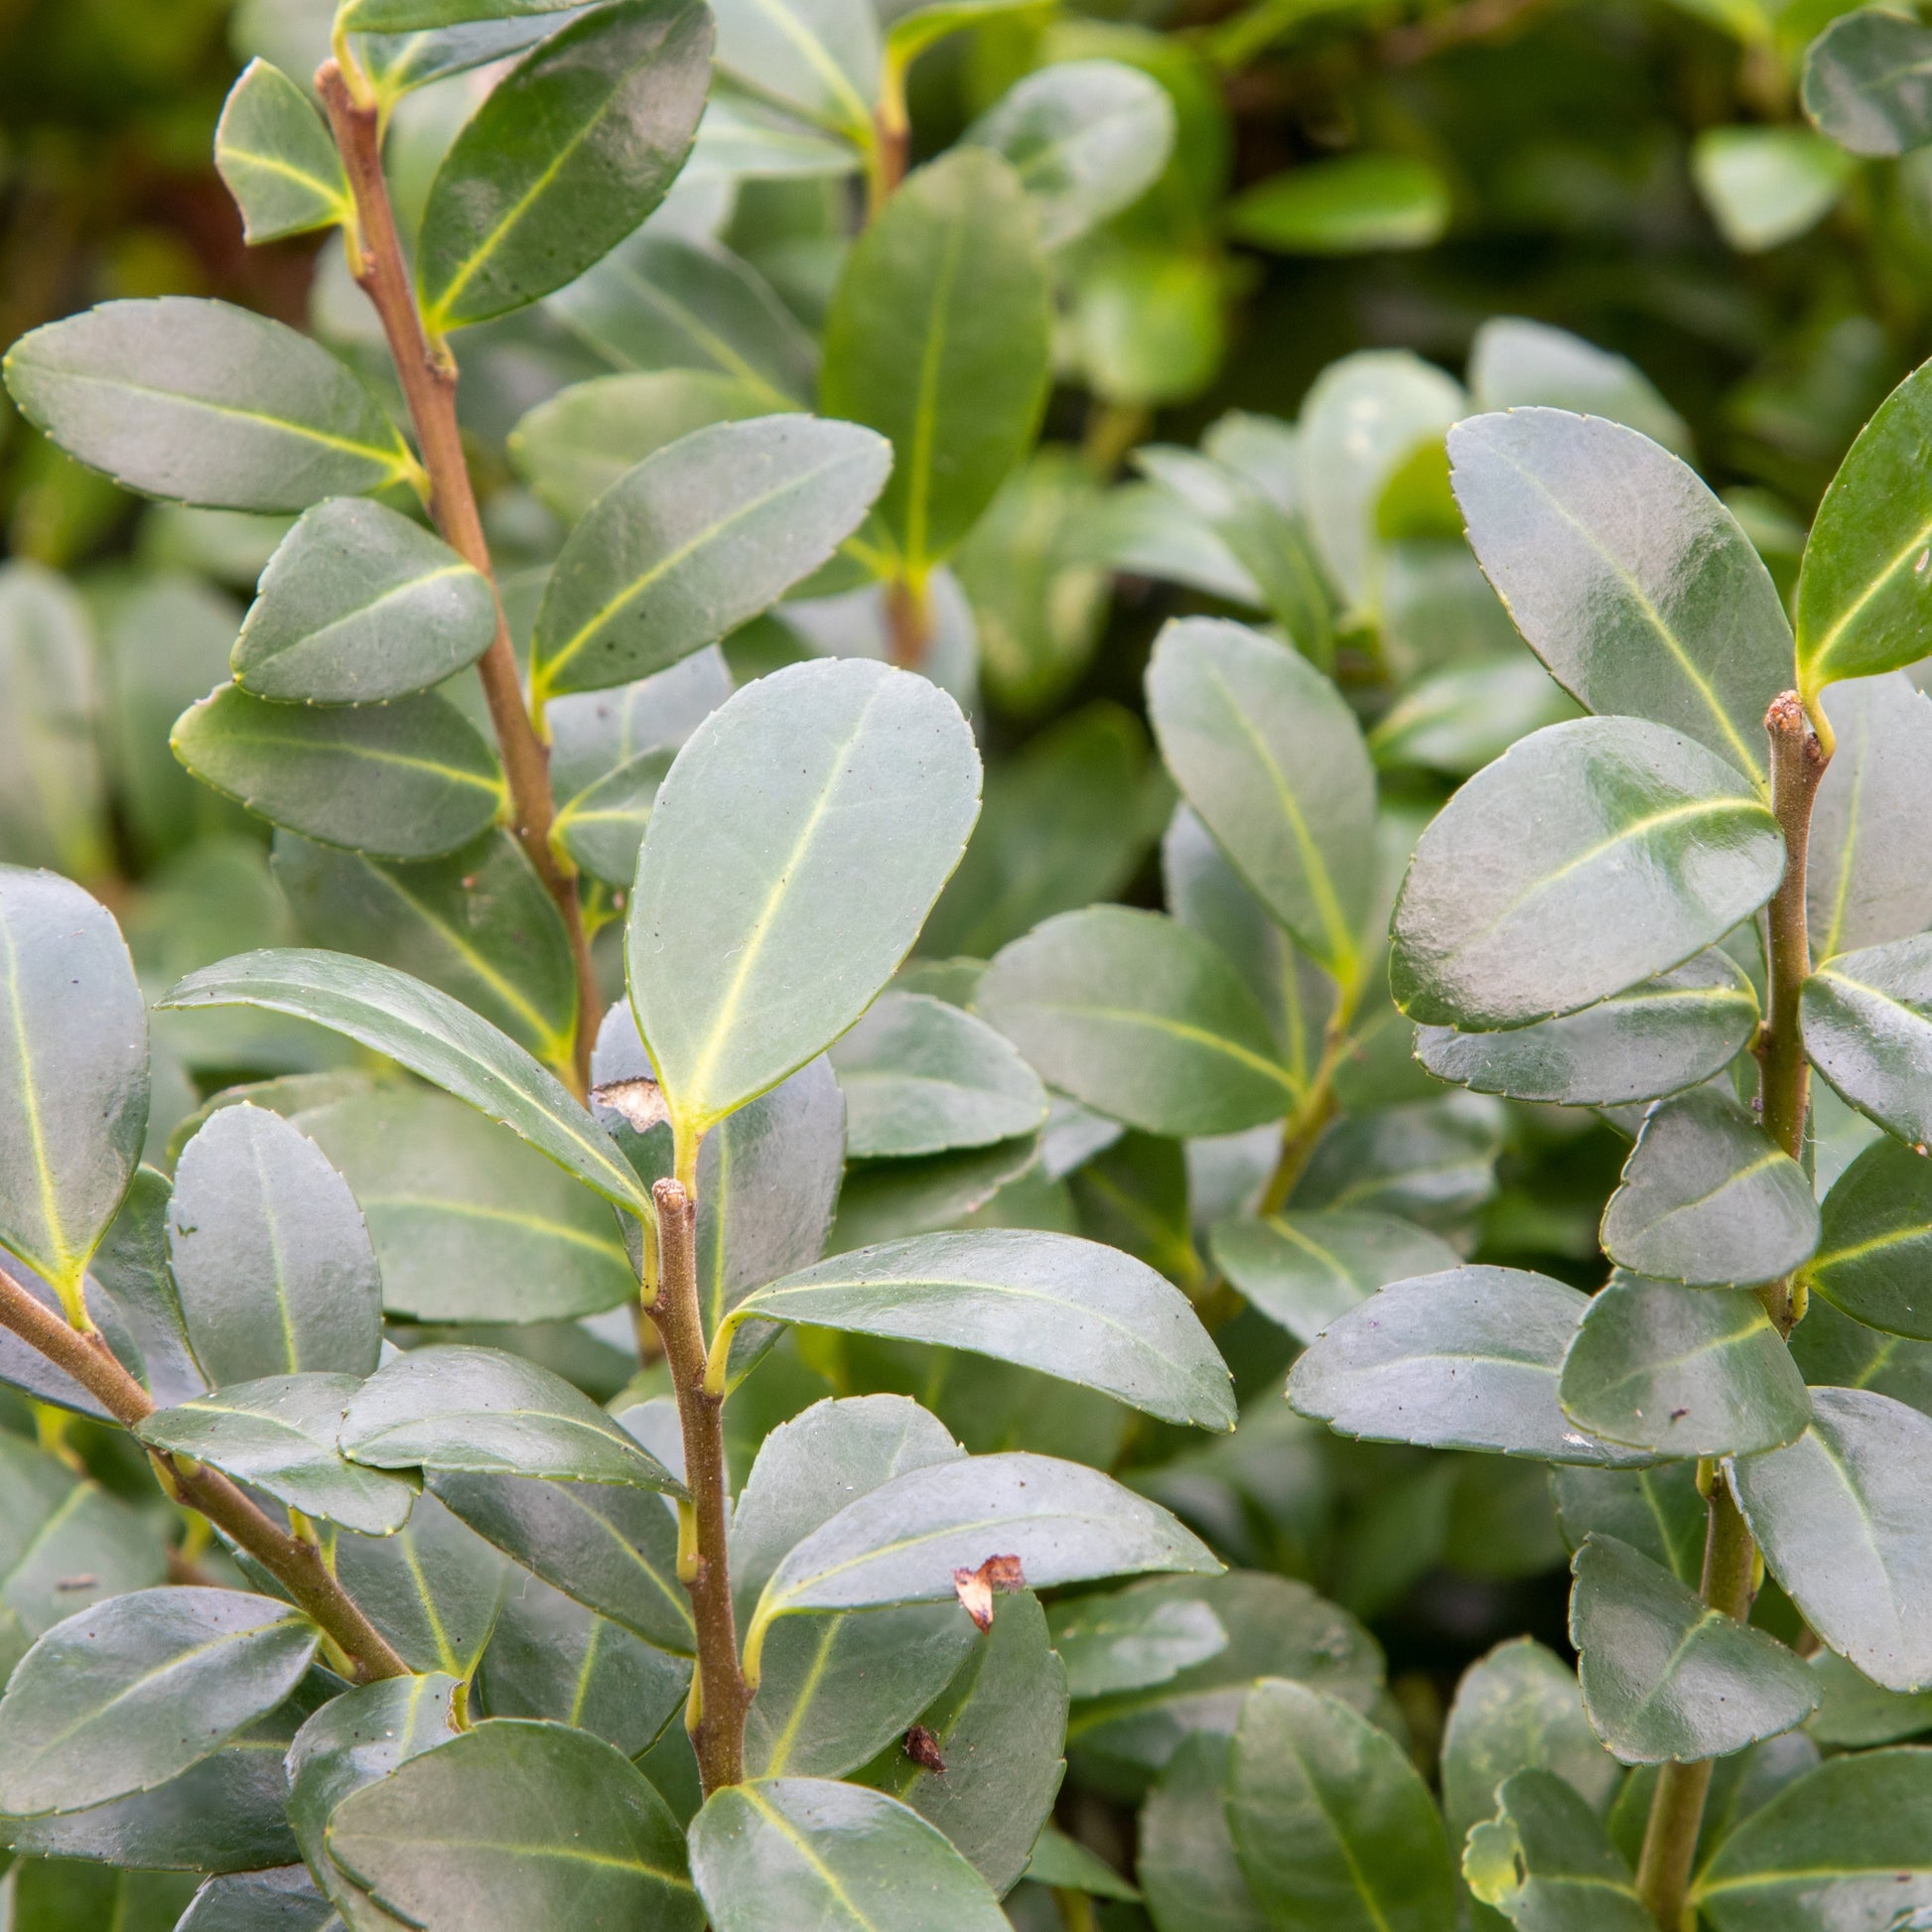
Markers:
723,1696
297,1565
1798,763
909,623
427,375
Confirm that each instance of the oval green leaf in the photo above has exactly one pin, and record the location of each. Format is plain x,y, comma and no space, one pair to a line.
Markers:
1868,82
1867,1024
1307,1270
1874,1247
275,154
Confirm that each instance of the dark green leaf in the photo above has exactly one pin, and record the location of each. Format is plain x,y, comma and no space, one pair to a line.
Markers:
1868,1022
697,539
57,1895
780,842
1357,203
1868,82
1065,1864
1186,1865
73,1074
1127,1640
488,1412
129,1694
1876,1241
602,827
1854,1711
1431,1161
432,1588
1333,1826
277,158
891,1201
279,1435
360,605
937,337
569,153
1548,1864
781,1852
1467,1359
281,1899
1657,1511
1846,1526
1648,841
206,404
1834,1351
1304,1270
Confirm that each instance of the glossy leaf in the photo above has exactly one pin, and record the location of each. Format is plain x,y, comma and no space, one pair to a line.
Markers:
1070,1308
569,153
1189,1876
1141,1019
920,1076
1332,1825
1467,1359
1270,756
1683,1371
1658,1037
276,156
697,539
1643,839
488,1412
1085,137
360,605
777,1853
1875,1243
279,1435
1357,203
1843,1524
206,404
1632,582
74,1073
780,842
1548,1864
512,1824
125,1696
1665,1676
1868,1024
281,1899
403,780
1868,82
1304,1270
937,337
434,1036
433,1588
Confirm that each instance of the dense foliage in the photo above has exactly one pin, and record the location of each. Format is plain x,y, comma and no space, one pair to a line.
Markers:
884,1048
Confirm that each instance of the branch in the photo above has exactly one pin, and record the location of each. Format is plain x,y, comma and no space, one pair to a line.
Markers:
720,1695
427,375
297,1565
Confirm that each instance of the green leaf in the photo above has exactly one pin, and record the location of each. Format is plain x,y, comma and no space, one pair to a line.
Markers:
51,1895
1849,1840
1086,139
270,1254
73,1074
1466,1360
360,605
901,1544
1658,1037
1683,1371
1073,1309
1519,1708
434,1036
696,541
433,1588
1835,1351
1430,1161
1141,1019
1765,186
279,1434
1333,1826
282,1899
1127,1640
277,156
741,139
920,1076
1354,204
657,302
483,1411
818,58
603,826
1665,1677
1865,83
412,16
1867,1024
1186,1865
937,337
124,1696
788,1852
1304,1270
403,780
1844,1523
206,404
1652,843
1708,1199
1270,757
573,446
515,1825
1876,1241
1549,1865
470,1224
568,154
1515,364
1065,1864
1628,578
779,842
998,1729
1458,718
